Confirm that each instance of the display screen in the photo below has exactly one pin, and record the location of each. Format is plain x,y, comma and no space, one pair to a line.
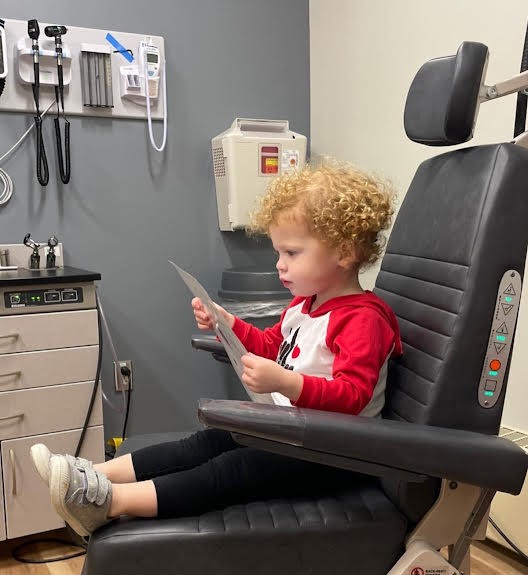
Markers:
152,58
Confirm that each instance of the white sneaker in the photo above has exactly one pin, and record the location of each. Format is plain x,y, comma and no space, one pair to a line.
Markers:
80,495
41,457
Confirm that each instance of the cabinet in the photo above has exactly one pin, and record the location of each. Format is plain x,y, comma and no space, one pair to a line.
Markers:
49,347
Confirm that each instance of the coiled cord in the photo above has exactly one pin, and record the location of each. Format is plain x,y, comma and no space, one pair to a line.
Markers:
7,190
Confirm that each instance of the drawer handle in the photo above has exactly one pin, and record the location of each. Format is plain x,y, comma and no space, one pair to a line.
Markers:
6,417
11,335
13,472
11,374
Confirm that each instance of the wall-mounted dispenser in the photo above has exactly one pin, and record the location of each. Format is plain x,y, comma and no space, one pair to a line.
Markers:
245,157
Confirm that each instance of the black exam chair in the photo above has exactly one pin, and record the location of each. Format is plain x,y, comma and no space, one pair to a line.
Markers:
428,470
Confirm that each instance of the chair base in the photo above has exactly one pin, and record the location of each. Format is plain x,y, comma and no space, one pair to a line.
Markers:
420,558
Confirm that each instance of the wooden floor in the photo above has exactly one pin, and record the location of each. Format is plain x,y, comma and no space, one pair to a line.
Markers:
40,551
487,559
491,559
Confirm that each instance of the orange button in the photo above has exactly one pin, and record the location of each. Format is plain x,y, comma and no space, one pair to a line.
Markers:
495,364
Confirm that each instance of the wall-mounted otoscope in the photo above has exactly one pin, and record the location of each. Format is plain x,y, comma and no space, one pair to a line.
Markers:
42,162
57,32
34,33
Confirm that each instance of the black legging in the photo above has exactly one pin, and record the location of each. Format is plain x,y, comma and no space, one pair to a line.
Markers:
208,470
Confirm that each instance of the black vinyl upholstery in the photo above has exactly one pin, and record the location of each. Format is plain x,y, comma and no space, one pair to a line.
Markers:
442,103
442,282
461,226
314,533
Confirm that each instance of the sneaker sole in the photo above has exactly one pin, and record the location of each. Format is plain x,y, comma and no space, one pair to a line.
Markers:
40,455
59,484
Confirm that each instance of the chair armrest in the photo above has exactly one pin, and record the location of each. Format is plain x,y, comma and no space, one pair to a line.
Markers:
483,460
207,343
211,344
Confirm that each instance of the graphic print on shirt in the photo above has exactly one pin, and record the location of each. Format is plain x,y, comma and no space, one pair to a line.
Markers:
286,347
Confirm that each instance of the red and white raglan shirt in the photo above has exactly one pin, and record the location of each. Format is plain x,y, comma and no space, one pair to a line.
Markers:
342,350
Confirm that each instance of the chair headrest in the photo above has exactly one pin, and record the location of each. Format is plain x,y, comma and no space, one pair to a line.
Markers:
443,99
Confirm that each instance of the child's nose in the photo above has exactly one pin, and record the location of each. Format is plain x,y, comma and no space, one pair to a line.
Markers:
280,265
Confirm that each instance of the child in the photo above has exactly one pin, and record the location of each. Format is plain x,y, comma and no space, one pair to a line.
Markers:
329,351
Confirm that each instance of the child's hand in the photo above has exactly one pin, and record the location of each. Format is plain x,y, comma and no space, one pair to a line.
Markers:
204,320
263,375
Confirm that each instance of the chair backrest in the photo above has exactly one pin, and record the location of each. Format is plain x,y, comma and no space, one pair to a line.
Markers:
462,225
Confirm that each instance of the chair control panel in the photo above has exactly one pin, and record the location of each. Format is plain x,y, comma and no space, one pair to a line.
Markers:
500,339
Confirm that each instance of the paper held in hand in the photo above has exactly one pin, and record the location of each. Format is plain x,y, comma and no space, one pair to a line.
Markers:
233,346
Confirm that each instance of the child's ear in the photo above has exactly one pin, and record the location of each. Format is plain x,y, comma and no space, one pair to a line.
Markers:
347,257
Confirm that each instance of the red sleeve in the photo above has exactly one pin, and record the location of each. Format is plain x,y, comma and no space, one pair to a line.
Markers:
264,343
361,342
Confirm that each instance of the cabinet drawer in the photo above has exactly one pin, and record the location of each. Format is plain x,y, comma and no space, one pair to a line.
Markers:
48,331
50,367
47,409
27,501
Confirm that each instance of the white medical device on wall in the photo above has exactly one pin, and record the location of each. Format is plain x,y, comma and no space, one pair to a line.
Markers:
140,83
245,158
121,46
47,62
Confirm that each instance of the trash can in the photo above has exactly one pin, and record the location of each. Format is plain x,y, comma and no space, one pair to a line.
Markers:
257,296
253,294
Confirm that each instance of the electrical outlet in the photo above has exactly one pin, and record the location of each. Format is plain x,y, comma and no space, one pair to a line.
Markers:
122,381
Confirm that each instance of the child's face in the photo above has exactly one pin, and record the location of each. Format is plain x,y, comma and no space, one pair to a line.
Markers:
306,266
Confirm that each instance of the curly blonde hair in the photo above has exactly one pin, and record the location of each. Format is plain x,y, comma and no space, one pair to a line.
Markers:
343,207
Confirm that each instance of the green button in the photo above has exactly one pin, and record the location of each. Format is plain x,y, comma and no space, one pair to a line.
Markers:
493,372
488,393
501,338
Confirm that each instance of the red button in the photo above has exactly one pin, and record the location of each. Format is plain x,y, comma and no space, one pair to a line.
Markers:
495,364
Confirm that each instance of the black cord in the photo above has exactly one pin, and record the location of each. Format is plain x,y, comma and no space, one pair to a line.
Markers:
42,161
123,51
17,550
507,539
97,376
126,371
64,170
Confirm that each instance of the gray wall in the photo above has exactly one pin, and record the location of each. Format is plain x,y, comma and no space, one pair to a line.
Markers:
129,209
